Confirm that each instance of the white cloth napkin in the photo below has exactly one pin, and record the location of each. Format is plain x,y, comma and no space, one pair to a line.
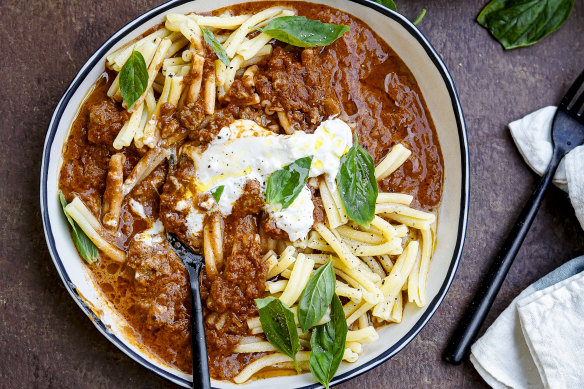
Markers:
532,135
538,341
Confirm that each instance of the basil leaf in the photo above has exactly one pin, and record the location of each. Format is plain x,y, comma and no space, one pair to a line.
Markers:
316,296
357,185
518,23
387,3
84,245
328,344
285,185
279,326
215,45
133,78
217,192
302,32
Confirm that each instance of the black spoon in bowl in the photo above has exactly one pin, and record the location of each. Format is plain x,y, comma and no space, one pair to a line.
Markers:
193,263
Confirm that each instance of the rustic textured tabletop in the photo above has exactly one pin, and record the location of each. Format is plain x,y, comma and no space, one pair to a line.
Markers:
46,341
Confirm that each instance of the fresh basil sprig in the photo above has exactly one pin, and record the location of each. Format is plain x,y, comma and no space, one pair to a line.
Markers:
84,245
279,326
357,185
316,296
327,341
133,78
217,192
302,32
328,344
215,45
518,23
285,185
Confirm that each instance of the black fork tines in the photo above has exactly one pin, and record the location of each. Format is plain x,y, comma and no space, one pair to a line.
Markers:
569,103
577,106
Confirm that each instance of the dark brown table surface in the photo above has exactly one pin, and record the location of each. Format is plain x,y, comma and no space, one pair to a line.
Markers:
46,341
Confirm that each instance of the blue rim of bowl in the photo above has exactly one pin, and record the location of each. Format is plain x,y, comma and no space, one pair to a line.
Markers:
465,188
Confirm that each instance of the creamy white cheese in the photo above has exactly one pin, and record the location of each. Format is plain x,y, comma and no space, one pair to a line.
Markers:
152,235
195,223
138,209
181,205
245,151
298,218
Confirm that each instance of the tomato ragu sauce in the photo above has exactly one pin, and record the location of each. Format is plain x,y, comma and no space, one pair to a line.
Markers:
358,79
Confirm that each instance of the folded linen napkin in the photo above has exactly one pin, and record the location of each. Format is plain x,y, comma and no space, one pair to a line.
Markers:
532,135
537,341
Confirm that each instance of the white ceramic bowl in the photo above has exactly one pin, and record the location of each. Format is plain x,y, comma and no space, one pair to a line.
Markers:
442,101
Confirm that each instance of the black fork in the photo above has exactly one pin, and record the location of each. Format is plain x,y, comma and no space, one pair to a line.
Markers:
567,133
193,263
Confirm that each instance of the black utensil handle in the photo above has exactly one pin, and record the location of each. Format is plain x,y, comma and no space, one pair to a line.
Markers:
475,314
201,377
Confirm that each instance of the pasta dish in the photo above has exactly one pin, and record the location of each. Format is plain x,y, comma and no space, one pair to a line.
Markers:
290,146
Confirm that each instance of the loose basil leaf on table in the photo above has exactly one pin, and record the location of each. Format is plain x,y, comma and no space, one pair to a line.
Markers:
217,192
302,32
518,23
357,185
279,326
328,344
133,78
215,45
316,296
285,185
84,245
